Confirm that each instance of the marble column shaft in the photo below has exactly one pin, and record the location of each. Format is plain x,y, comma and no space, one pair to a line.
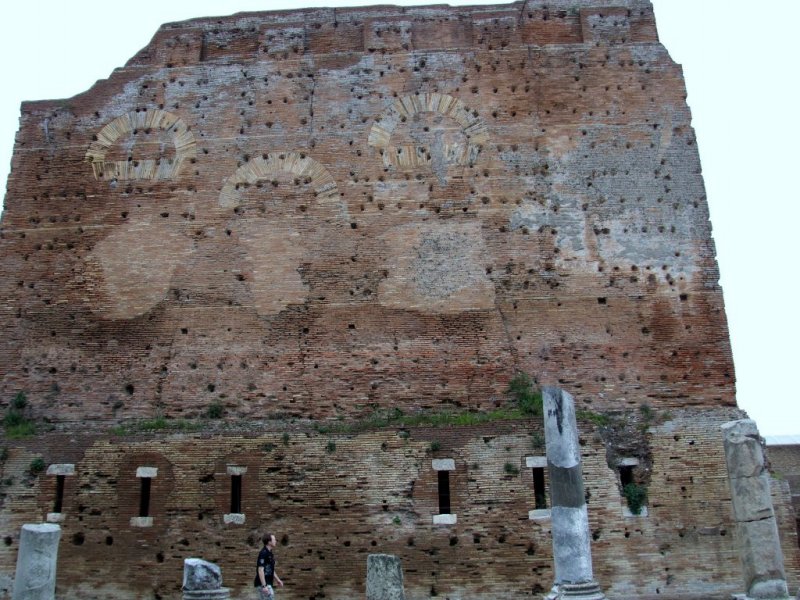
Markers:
570,519
757,529
35,577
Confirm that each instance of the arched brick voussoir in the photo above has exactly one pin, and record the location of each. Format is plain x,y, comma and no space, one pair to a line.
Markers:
127,170
294,163
402,155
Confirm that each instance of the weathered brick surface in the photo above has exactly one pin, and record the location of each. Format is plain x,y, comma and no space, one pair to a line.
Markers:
333,506
309,215
785,463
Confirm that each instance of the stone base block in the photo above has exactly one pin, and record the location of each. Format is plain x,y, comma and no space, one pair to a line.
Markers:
778,597
589,590
218,594
384,577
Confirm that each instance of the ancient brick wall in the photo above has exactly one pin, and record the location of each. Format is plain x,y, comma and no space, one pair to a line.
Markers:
334,498
297,219
785,464
293,220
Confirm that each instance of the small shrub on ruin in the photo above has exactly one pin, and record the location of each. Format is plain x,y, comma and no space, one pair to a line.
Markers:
215,410
635,496
526,395
15,423
20,401
599,419
37,466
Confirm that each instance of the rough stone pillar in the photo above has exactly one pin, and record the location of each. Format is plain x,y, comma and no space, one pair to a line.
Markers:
570,519
756,528
384,578
36,562
202,580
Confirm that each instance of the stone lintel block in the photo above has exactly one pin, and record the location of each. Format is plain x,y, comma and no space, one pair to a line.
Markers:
626,512
540,514
384,577
449,519
141,521
443,464
536,462
628,462
150,472
233,470
54,517
233,519
61,469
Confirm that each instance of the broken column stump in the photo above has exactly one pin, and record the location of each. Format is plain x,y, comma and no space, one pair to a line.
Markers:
756,528
570,518
384,577
35,577
202,580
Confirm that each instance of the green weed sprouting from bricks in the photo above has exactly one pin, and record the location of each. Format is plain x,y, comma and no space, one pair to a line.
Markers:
382,419
599,419
635,496
215,410
526,395
20,401
159,423
15,423
511,469
37,466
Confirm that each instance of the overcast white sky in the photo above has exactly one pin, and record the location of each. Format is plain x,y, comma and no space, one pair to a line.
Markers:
741,66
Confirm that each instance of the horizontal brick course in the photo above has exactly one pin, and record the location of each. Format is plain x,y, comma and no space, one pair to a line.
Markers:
288,222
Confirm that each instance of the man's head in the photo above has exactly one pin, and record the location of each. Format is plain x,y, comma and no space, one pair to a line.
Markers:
269,540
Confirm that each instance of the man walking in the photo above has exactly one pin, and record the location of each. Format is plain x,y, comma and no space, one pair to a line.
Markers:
265,569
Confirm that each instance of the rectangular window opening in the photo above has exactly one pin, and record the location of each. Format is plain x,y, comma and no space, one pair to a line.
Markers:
144,497
539,491
236,494
59,503
625,475
797,524
444,492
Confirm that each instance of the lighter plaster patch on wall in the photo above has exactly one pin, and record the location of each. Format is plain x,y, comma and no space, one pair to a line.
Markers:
273,255
132,268
437,268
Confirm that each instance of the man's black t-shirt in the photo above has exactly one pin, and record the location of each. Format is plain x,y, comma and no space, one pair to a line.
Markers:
267,560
